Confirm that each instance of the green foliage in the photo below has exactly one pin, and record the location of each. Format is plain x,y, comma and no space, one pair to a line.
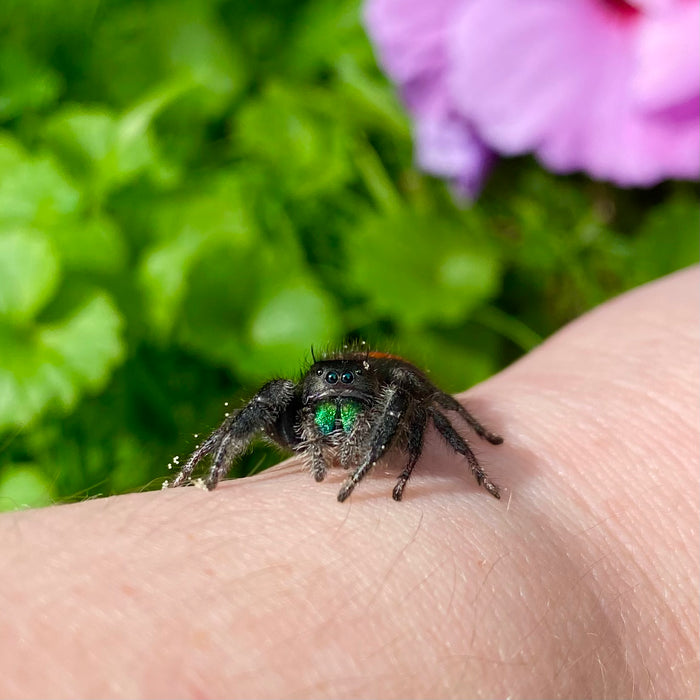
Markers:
23,486
194,192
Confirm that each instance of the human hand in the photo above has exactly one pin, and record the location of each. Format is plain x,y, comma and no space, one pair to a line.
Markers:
581,582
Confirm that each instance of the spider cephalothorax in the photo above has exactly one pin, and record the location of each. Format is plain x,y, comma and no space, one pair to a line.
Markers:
349,408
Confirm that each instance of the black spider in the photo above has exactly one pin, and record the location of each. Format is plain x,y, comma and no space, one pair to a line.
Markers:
348,408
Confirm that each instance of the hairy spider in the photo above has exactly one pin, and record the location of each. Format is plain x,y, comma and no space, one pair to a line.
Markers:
349,408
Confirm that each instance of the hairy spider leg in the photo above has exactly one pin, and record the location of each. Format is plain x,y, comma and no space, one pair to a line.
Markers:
208,446
451,404
312,444
458,444
391,408
236,432
414,448
354,447
259,414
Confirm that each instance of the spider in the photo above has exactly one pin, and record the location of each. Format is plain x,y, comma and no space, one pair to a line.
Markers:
349,408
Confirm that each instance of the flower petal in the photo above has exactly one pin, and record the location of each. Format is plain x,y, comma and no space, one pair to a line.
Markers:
669,57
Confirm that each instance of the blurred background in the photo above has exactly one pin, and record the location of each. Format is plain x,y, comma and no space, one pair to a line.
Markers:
192,193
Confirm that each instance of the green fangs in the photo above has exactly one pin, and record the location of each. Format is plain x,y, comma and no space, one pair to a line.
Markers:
325,417
349,410
329,413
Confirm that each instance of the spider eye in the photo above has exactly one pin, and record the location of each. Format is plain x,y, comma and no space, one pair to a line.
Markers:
332,377
346,377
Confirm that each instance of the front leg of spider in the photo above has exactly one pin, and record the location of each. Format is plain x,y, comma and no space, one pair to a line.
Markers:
234,435
390,410
312,446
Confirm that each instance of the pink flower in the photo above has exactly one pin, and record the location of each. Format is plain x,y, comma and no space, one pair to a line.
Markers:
605,86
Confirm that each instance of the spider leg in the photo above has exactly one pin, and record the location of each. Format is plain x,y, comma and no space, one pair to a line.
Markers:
234,435
458,444
208,446
354,447
390,410
312,445
451,404
416,432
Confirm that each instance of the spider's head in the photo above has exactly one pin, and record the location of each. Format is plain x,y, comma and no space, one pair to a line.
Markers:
328,379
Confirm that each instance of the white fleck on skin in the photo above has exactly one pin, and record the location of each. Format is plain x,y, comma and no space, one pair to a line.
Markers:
199,484
164,485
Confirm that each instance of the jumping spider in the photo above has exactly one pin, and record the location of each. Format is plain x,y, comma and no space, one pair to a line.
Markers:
348,408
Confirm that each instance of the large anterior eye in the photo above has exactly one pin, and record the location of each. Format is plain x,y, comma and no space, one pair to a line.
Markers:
332,377
346,377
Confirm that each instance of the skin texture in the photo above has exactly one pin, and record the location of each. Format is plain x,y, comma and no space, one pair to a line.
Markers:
581,582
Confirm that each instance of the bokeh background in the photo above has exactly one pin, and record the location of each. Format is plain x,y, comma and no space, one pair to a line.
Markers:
194,192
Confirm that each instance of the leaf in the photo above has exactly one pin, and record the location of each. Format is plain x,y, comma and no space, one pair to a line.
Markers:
668,239
12,154
142,46
420,270
254,312
163,275
33,189
57,363
100,147
453,363
23,486
29,273
88,343
307,151
287,321
94,244
189,228
25,84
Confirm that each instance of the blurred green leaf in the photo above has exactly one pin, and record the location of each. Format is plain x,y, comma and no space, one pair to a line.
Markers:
289,319
224,286
187,229
309,153
29,273
141,46
420,269
668,239
58,362
25,84
88,343
33,189
90,244
23,486
11,153
105,150
454,364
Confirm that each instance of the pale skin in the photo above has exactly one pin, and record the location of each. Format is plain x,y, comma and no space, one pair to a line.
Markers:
581,582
